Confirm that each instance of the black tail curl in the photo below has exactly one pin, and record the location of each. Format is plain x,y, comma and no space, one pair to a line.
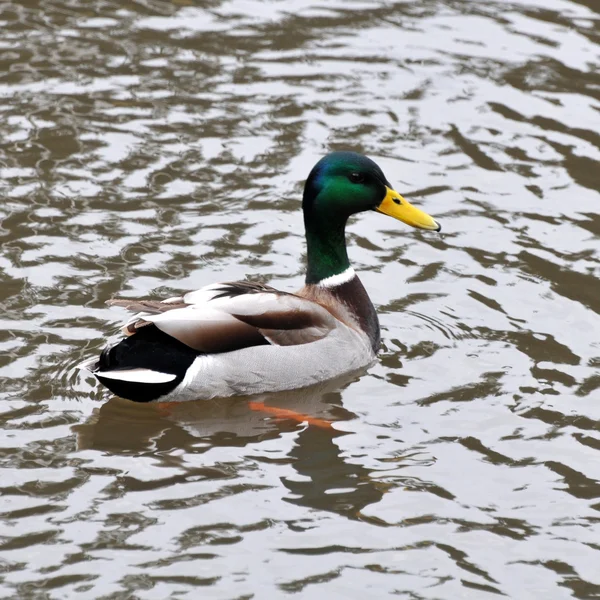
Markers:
149,348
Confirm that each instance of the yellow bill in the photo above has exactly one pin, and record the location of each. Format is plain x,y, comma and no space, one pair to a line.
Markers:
396,206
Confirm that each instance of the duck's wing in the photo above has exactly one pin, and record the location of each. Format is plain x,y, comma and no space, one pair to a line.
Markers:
231,316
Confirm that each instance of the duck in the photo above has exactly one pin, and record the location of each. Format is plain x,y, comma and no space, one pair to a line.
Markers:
241,338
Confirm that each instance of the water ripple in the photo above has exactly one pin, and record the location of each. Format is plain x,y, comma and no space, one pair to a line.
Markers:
158,146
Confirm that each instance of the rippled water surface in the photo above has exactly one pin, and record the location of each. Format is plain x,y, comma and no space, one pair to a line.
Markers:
149,147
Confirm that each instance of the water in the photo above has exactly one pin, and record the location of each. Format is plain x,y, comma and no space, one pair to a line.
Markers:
150,147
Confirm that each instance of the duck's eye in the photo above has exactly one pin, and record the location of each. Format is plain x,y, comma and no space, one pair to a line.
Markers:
357,177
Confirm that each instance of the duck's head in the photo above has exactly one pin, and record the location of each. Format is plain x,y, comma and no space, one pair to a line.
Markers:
344,183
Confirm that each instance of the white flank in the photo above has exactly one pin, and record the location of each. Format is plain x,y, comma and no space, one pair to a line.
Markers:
339,279
137,376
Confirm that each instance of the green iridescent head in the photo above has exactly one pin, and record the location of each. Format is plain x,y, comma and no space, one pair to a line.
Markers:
344,183
340,185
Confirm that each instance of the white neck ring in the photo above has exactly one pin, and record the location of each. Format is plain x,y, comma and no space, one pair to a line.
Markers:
339,279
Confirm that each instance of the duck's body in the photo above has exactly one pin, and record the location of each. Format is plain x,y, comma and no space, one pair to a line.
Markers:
241,338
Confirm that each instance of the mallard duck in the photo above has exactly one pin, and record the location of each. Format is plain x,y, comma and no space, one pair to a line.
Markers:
244,338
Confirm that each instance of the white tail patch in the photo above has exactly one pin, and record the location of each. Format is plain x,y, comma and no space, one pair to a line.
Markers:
137,376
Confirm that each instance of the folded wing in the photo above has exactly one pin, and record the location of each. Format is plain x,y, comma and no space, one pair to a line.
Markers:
231,316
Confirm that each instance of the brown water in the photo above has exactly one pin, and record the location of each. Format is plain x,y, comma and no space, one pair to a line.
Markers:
151,147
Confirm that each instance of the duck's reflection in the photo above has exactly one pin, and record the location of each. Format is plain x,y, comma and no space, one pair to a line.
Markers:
330,482
327,481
